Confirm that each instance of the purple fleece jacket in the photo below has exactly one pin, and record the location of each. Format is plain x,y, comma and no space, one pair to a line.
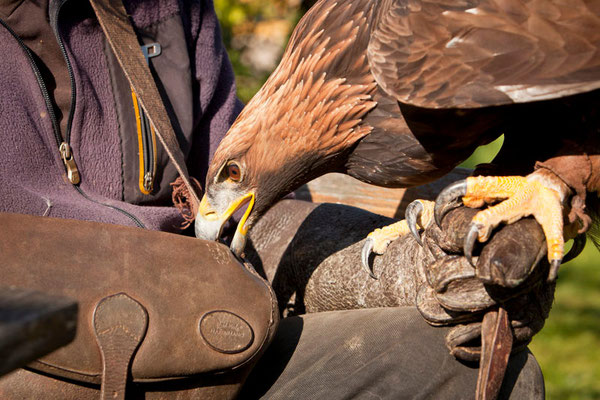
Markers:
32,174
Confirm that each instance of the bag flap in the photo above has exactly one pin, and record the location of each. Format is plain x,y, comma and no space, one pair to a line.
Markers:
207,312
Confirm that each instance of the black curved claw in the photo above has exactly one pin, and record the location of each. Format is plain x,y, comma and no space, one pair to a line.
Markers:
365,254
412,214
470,243
449,199
554,264
578,246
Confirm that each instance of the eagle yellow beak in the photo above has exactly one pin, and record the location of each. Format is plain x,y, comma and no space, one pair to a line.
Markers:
209,221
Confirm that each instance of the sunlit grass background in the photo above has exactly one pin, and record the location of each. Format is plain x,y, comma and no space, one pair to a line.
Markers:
568,347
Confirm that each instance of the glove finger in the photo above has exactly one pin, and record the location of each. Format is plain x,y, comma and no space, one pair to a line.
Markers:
464,342
433,312
512,254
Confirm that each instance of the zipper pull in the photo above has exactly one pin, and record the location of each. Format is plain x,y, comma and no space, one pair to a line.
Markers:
148,181
67,157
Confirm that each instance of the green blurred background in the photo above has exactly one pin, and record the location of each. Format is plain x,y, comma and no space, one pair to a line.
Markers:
568,347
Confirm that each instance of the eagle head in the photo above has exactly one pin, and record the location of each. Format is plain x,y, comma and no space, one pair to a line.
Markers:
298,126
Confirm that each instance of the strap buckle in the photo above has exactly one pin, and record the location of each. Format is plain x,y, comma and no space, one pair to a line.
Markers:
151,50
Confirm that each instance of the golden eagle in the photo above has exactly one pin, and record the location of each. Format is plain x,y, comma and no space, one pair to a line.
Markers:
398,92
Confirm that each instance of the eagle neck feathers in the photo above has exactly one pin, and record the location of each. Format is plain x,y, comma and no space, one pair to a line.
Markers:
320,92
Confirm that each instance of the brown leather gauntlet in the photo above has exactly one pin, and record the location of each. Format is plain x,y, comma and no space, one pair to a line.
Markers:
311,254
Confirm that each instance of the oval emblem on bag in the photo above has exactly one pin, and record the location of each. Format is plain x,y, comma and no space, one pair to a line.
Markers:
226,332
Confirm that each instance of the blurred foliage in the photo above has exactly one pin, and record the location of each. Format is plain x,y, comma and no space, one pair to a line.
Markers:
484,154
255,33
568,348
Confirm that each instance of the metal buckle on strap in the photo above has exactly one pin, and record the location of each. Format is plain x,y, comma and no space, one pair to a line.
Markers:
151,50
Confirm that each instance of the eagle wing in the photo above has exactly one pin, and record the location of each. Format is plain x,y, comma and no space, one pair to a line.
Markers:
474,53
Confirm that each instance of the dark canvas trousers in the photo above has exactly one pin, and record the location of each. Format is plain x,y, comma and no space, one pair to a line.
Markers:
384,353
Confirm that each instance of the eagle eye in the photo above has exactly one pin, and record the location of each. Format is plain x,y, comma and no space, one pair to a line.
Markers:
234,172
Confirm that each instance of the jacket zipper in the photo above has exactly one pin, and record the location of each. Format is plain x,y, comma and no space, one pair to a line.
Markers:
63,146
146,147
54,25
145,131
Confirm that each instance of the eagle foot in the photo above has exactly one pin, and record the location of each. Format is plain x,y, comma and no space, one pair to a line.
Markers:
419,212
519,197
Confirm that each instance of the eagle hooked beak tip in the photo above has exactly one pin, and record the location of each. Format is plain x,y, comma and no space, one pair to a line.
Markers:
209,223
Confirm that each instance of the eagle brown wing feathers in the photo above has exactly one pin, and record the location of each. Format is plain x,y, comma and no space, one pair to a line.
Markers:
470,54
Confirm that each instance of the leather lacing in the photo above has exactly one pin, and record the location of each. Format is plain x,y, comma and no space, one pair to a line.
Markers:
183,201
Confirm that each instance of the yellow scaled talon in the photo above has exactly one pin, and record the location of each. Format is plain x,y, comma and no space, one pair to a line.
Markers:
382,237
524,197
520,197
419,212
